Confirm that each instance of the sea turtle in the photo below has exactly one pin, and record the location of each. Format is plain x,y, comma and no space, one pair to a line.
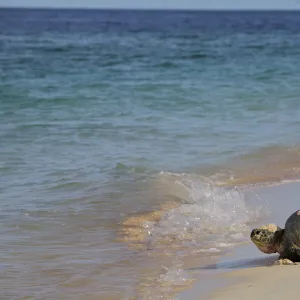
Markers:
272,239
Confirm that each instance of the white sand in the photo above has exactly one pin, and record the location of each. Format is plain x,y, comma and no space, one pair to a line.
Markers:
274,282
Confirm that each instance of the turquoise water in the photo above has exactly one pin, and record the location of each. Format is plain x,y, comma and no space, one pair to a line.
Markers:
96,107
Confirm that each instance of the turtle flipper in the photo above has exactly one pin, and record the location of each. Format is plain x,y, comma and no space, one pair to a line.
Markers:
284,261
293,253
290,256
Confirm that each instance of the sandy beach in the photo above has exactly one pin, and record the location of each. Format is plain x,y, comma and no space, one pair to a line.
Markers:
272,282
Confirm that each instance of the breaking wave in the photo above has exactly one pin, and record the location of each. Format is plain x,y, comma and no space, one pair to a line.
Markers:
201,215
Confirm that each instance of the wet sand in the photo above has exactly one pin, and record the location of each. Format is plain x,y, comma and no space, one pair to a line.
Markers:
273,282
247,273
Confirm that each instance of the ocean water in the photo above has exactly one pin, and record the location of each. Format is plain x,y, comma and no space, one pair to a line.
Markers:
127,139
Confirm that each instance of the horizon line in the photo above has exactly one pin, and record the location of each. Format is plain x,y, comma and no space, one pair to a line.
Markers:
153,9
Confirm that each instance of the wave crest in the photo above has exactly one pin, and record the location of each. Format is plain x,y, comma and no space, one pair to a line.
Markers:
206,216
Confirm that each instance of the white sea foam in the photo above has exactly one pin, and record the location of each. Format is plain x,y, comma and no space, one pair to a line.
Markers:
209,217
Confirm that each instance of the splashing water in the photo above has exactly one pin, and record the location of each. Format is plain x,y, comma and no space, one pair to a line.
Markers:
203,221
209,217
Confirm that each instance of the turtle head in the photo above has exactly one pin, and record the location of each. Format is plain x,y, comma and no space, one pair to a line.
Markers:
267,238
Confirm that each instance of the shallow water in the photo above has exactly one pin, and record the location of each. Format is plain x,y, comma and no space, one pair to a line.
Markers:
127,139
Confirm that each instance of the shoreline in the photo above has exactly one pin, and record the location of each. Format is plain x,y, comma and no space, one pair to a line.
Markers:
268,282
246,267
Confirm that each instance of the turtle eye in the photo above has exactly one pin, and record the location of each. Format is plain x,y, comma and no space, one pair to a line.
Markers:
254,232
